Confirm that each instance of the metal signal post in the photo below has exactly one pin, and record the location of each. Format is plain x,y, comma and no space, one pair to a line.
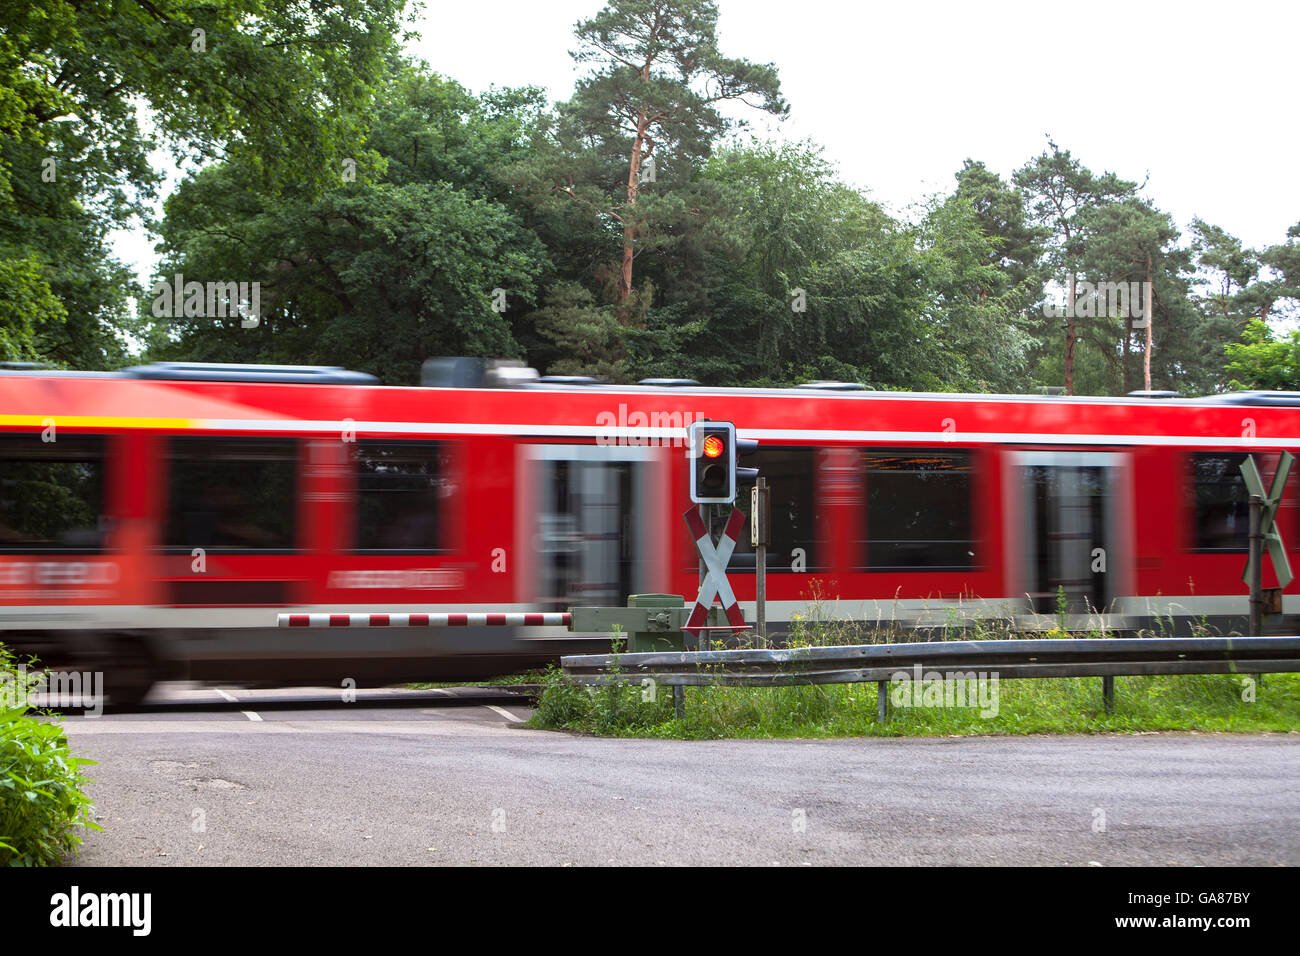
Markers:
1264,535
760,523
714,449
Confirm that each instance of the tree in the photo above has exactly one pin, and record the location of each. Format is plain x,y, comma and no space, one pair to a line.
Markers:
781,215
420,261
1130,248
25,302
1240,287
1284,260
974,310
653,97
1060,190
1231,269
1261,360
585,339
279,87
1017,245
73,308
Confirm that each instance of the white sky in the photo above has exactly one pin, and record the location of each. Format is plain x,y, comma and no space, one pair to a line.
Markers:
1198,95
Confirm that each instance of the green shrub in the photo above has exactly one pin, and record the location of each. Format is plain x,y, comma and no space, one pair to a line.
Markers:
562,703
41,800
615,708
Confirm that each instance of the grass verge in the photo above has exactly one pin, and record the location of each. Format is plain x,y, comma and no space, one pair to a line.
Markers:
1206,703
1038,706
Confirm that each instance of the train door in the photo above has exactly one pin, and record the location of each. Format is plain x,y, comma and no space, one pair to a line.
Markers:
591,543
1073,529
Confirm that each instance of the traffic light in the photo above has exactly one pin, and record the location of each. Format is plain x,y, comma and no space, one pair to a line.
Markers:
713,463
745,447
714,450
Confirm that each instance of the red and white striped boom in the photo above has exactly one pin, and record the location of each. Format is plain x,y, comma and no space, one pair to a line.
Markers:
558,619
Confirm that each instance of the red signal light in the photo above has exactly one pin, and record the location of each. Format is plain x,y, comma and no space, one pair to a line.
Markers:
713,447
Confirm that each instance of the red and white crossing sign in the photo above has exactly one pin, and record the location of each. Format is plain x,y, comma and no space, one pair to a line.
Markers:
715,580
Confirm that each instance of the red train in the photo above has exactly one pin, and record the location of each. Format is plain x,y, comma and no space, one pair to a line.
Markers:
154,522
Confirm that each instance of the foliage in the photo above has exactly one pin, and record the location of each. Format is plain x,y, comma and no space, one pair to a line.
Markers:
281,88
280,85
376,275
617,707
562,702
653,96
25,295
42,803
1263,360
588,338
1033,706
390,215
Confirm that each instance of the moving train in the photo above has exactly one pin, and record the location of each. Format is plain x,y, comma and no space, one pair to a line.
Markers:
155,521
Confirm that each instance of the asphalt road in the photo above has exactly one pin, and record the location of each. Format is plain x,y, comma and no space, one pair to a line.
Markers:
404,779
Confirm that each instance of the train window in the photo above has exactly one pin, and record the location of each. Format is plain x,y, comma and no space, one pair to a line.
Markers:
791,475
51,493
400,487
1221,503
236,494
918,510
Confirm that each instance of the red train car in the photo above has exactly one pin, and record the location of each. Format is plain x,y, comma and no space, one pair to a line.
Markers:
154,522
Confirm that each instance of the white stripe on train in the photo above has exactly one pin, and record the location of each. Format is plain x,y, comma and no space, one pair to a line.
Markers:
813,436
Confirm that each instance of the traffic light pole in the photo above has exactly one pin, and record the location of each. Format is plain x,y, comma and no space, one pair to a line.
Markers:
1264,536
1256,566
706,515
714,449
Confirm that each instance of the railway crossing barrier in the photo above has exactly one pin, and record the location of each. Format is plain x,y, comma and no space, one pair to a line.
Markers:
650,622
1107,658
365,619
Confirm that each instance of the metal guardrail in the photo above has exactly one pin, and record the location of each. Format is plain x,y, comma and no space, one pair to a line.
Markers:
949,660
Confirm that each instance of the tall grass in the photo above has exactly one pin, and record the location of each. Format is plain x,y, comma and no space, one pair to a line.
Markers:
1210,702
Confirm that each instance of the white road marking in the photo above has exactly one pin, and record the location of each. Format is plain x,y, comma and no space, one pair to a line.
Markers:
440,728
502,711
251,715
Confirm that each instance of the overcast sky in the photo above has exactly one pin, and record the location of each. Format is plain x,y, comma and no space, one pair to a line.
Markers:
1198,96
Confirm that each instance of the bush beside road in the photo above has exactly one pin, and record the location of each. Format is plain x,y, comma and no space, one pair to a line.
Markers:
42,802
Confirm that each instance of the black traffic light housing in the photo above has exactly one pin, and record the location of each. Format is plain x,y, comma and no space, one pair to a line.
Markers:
745,447
714,474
